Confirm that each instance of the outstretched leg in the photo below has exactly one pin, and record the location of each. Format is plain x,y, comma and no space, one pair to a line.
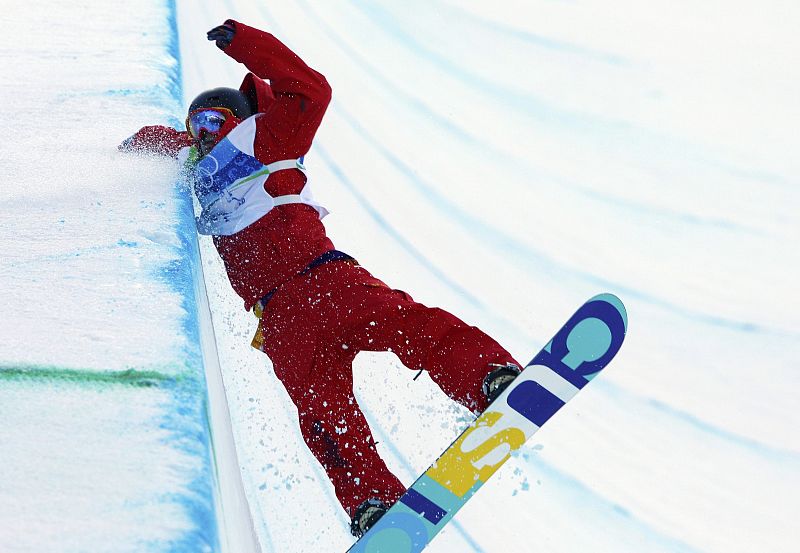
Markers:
313,330
337,433
456,355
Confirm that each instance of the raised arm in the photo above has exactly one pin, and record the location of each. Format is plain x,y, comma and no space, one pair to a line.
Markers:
301,93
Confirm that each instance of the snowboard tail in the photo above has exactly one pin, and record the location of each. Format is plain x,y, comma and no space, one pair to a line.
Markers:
577,353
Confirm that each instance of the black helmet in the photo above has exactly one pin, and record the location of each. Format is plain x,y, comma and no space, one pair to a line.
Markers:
231,98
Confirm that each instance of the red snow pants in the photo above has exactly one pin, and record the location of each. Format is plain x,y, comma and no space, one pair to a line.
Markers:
312,329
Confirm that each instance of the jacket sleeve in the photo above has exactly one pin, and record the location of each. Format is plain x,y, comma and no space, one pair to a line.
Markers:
156,139
301,94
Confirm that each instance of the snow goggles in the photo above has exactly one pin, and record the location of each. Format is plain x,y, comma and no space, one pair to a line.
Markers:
207,119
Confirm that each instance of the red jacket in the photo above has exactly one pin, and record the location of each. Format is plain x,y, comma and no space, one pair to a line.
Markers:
278,246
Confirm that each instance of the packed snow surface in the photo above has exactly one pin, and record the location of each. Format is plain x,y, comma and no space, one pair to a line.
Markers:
104,444
503,161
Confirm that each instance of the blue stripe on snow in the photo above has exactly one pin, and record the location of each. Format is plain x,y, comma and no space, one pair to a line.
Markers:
574,492
528,257
189,423
491,151
621,133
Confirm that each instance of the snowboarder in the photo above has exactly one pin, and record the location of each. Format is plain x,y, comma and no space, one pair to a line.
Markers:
317,307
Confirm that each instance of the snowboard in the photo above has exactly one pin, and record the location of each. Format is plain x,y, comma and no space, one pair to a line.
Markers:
577,353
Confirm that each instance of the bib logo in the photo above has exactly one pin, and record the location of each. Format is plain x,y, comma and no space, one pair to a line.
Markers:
204,172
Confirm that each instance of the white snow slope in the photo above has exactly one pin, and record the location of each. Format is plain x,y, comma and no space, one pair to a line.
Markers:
505,161
104,437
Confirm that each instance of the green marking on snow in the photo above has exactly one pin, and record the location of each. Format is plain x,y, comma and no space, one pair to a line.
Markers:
130,377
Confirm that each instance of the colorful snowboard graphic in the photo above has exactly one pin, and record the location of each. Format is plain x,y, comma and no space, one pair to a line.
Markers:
578,352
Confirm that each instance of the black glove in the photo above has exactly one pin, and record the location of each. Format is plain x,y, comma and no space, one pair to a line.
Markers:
222,34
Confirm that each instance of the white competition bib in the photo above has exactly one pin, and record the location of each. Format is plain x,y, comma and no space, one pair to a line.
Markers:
229,183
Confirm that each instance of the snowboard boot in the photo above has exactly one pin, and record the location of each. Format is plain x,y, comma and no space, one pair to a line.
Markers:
499,379
366,515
